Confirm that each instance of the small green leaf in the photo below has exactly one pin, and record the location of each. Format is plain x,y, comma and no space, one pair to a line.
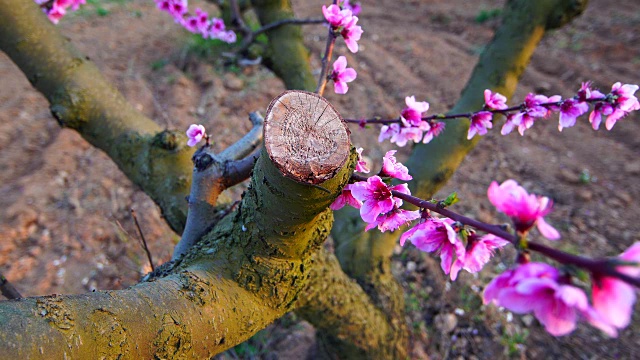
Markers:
451,199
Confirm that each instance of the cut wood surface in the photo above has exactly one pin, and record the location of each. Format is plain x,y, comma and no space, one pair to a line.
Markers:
305,136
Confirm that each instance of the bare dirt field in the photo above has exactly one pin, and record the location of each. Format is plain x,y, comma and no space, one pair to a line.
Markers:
65,225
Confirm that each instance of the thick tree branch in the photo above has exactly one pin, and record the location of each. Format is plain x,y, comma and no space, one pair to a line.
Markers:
349,322
286,54
246,272
81,99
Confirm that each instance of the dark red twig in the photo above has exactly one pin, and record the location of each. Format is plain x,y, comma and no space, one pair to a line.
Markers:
378,120
249,36
599,266
326,60
275,24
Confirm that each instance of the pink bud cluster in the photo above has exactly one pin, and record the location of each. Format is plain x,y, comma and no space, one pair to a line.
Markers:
558,305
198,23
57,9
341,75
615,105
343,21
442,236
379,208
411,125
524,209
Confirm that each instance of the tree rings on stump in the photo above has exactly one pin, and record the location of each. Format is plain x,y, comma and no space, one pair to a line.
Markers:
305,137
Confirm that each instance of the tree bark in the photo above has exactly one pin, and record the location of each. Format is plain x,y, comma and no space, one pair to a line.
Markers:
286,54
246,272
234,267
80,98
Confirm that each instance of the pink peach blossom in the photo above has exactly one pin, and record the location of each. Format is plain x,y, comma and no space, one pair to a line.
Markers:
56,13
476,254
624,102
494,101
393,219
342,75
335,16
391,167
345,198
376,197
195,133
435,129
400,135
536,287
523,208
361,165
351,34
404,134
613,298
599,109
569,112
355,7
388,131
533,108
434,235
412,114
480,122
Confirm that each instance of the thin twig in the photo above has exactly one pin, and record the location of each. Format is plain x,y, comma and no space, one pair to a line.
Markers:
8,290
144,241
326,59
236,16
250,36
601,266
595,266
279,23
521,107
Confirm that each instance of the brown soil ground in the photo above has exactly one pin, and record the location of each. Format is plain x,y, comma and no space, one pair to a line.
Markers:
64,206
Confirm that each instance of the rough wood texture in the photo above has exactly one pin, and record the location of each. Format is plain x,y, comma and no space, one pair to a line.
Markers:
305,137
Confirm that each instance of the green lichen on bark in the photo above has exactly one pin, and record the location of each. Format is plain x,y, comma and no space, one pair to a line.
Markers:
349,324
248,271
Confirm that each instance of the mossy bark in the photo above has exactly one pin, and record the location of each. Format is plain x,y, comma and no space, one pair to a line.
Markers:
248,271
80,98
350,325
108,323
286,54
